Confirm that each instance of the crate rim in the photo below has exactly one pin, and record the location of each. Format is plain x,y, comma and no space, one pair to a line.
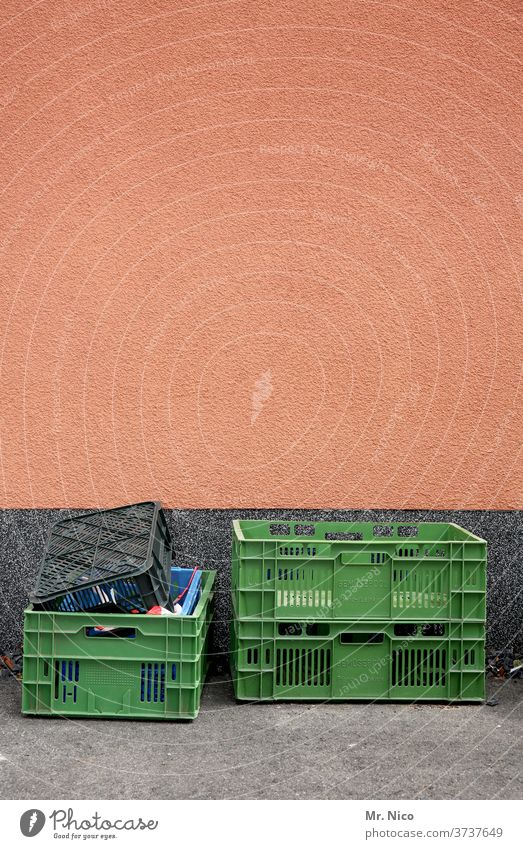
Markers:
208,580
238,530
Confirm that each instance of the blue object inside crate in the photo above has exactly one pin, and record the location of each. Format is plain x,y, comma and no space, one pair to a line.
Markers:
179,579
125,594
122,592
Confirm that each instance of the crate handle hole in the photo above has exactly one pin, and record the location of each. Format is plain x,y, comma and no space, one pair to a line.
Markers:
304,530
122,633
405,629
383,530
436,629
280,530
361,639
344,536
290,629
318,629
408,530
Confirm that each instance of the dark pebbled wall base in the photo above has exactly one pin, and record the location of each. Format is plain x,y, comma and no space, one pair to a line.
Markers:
203,537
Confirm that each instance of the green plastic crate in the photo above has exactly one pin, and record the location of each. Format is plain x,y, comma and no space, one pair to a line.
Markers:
351,661
154,669
358,570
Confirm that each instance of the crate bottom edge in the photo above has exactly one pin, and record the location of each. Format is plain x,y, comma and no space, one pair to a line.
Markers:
385,700
114,717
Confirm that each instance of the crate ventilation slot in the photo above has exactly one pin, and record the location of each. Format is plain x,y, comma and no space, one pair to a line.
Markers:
377,557
252,656
304,599
66,677
434,552
301,667
297,551
152,682
418,590
419,667
293,574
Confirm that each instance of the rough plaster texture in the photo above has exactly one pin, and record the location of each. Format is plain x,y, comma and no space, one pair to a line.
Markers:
203,537
260,253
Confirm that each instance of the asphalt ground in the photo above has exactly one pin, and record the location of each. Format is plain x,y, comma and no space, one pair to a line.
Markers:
270,751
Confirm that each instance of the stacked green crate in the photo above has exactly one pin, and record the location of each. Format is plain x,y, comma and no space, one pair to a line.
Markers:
338,611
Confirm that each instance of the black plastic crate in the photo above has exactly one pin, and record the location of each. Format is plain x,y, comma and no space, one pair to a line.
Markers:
119,558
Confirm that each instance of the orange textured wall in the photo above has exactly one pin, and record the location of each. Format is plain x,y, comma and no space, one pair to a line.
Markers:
260,253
